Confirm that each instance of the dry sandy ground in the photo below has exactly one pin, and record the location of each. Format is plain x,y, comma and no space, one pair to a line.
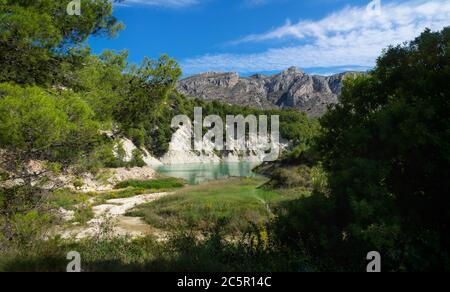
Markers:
112,214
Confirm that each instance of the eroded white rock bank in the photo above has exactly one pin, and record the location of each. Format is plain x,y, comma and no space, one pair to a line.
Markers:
181,152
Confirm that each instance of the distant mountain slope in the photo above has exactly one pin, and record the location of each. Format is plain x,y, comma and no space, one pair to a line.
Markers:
289,89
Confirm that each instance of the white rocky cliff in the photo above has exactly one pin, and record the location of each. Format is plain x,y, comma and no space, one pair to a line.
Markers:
181,151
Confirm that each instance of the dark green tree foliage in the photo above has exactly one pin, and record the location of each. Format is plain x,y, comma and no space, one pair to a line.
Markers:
36,124
149,89
386,149
141,107
41,49
102,83
37,37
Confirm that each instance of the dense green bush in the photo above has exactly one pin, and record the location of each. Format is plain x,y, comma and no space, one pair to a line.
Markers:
43,125
292,177
385,150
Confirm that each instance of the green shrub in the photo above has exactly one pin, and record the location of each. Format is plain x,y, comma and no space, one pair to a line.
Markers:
29,227
137,159
78,183
137,136
83,213
292,177
319,179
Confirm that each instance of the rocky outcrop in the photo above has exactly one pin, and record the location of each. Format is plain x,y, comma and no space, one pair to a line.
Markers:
181,151
289,89
129,147
70,178
105,180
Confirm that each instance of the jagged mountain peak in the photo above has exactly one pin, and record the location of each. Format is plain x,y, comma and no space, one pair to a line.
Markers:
293,70
291,88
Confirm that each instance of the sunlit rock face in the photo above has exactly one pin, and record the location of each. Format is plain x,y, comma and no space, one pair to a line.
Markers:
181,151
289,89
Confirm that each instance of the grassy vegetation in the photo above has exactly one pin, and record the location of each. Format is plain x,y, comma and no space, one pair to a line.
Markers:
215,209
182,252
68,199
236,204
83,214
159,184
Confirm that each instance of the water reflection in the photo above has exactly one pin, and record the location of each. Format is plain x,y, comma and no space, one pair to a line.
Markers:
198,173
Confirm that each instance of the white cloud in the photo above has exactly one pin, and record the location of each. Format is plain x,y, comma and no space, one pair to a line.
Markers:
351,36
162,3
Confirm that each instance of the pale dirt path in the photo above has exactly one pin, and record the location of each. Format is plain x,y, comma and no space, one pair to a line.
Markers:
112,212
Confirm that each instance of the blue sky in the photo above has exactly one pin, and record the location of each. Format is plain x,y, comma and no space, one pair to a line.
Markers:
262,36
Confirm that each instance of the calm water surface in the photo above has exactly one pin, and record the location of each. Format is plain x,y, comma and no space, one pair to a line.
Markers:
198,173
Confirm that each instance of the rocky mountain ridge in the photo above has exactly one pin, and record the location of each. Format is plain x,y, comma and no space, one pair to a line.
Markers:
291,88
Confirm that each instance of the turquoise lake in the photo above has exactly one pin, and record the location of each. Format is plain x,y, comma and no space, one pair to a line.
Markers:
198,173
